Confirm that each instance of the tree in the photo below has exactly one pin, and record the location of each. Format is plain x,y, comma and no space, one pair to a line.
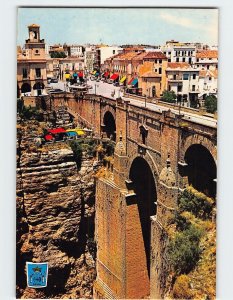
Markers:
58,55
211,104
184,250
169,96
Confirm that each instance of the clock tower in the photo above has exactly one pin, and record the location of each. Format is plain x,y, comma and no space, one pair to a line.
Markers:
34,33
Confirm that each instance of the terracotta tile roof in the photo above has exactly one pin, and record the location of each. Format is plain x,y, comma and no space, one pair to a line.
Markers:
178,65
151,74
140,56
155,54
209,73
127,55
207,54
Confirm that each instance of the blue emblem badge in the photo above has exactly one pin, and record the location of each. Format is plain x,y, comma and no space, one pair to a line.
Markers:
37,274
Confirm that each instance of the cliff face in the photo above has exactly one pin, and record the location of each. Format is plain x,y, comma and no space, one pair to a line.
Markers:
55,217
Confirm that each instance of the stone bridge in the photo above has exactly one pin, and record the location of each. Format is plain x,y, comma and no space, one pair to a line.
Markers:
158,153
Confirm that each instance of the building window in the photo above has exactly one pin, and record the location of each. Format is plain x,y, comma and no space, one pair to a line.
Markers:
186,77
38,72
177,59
37,51
174,77
169,87
208,67
160,70
156,61
210,78
113,51
183,59
197,59
193,88
169,60
160,61
25,73
194,76
179,88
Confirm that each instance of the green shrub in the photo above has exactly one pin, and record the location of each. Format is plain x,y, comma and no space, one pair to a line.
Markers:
211,104
29,113
195,202
169,96
184,251
109,147
181,222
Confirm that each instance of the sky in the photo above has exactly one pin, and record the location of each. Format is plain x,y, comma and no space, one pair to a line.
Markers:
116,26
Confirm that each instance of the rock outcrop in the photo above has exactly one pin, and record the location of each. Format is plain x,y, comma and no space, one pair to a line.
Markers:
55,217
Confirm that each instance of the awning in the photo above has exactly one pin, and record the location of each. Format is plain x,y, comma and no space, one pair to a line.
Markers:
131,80
48,137
57,130
67,76
135,81
80,74
114,76
71,133
77,130
106,74
80,132
123,79
93,72
75,75
97,74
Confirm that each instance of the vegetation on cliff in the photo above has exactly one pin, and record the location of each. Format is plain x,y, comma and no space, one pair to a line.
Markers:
191,250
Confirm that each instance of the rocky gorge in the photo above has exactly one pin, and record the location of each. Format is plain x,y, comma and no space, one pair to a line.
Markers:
55,216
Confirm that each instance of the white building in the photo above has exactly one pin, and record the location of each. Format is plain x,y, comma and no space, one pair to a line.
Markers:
105,52
179,52
207,59
76,50
208,83
184,81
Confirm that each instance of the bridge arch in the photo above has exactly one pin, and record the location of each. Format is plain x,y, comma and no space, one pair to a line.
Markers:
109,125
140,210
201,169
197,139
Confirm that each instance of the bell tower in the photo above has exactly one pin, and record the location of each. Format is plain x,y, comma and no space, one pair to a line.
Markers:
34,33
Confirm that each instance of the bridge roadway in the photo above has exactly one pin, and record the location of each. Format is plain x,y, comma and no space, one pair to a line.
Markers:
106,89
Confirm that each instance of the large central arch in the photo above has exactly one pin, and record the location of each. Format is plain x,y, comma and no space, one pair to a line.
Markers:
140,211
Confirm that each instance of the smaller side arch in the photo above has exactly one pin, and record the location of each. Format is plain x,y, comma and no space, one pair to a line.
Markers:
109,125
201,169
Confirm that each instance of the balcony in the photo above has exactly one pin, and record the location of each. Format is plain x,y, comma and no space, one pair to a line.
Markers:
25,78
176,79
